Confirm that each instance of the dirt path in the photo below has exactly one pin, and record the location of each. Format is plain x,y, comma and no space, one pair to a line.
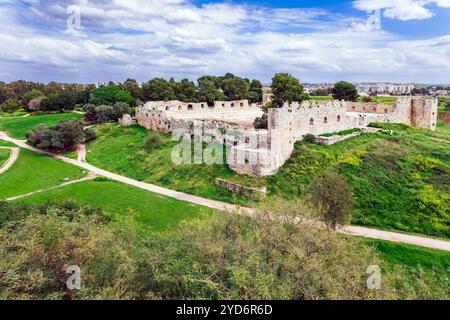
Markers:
359,231
12,159
81,152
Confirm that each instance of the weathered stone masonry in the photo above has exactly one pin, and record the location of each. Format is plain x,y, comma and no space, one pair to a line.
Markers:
263,152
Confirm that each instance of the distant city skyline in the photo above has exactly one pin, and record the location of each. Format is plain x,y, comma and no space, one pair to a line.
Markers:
398,41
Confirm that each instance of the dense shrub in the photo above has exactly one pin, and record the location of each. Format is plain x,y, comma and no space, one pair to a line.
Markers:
10,106
106,113
309,138
225,256
62,137
153,141
261,123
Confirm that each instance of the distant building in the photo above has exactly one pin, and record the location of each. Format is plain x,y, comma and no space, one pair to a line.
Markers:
385,88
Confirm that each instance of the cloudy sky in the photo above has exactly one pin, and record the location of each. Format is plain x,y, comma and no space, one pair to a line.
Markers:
363,40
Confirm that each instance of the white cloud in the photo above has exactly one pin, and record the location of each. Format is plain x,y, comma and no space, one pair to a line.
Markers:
402,9
143,39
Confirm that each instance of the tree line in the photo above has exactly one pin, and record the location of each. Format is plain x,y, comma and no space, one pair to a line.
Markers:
56,97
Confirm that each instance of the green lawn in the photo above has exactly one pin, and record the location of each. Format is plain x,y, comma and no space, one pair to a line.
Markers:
18,128
321,98
32,172
382,100
122,151
155,211
4,155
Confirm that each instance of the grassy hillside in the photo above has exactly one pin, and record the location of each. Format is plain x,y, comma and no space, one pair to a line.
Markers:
4,155
413,266
122,150
18,128
400,180
32,172
155,211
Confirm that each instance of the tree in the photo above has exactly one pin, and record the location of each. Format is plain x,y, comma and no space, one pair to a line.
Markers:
110,94
235,88
57,102
158,89
286,88
62,137
186,91
255,94
10,106
132,86
333,198
345,91
209,90
105,113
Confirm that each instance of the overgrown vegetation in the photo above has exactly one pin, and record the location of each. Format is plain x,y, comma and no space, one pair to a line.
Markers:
106,113
218,257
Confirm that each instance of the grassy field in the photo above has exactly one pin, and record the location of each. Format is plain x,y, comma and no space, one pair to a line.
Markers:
122,151
18,128
4,155
155,211
32,172
382,100
321,98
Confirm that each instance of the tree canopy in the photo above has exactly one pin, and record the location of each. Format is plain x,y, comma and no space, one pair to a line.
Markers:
286,88
345,91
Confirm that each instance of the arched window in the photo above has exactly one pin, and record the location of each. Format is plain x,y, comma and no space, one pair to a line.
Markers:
190,107
339,118
386,110
311,122
242,104
167,108
180,108
232,105
325,120
202,105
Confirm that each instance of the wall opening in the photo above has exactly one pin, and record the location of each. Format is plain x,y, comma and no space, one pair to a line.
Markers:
339,118
311,122
190,107
325,120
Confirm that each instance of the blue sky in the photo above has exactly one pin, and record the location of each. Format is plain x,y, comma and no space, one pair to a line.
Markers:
316,41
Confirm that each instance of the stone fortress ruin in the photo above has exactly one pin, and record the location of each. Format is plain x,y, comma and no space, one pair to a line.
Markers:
262,152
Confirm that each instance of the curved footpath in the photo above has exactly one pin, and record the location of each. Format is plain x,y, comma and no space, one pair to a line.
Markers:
352,230
12,159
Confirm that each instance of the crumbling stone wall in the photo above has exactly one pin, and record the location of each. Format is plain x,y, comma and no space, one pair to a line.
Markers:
263,152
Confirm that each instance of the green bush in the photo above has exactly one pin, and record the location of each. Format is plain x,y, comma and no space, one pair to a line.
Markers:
153,141
309,138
